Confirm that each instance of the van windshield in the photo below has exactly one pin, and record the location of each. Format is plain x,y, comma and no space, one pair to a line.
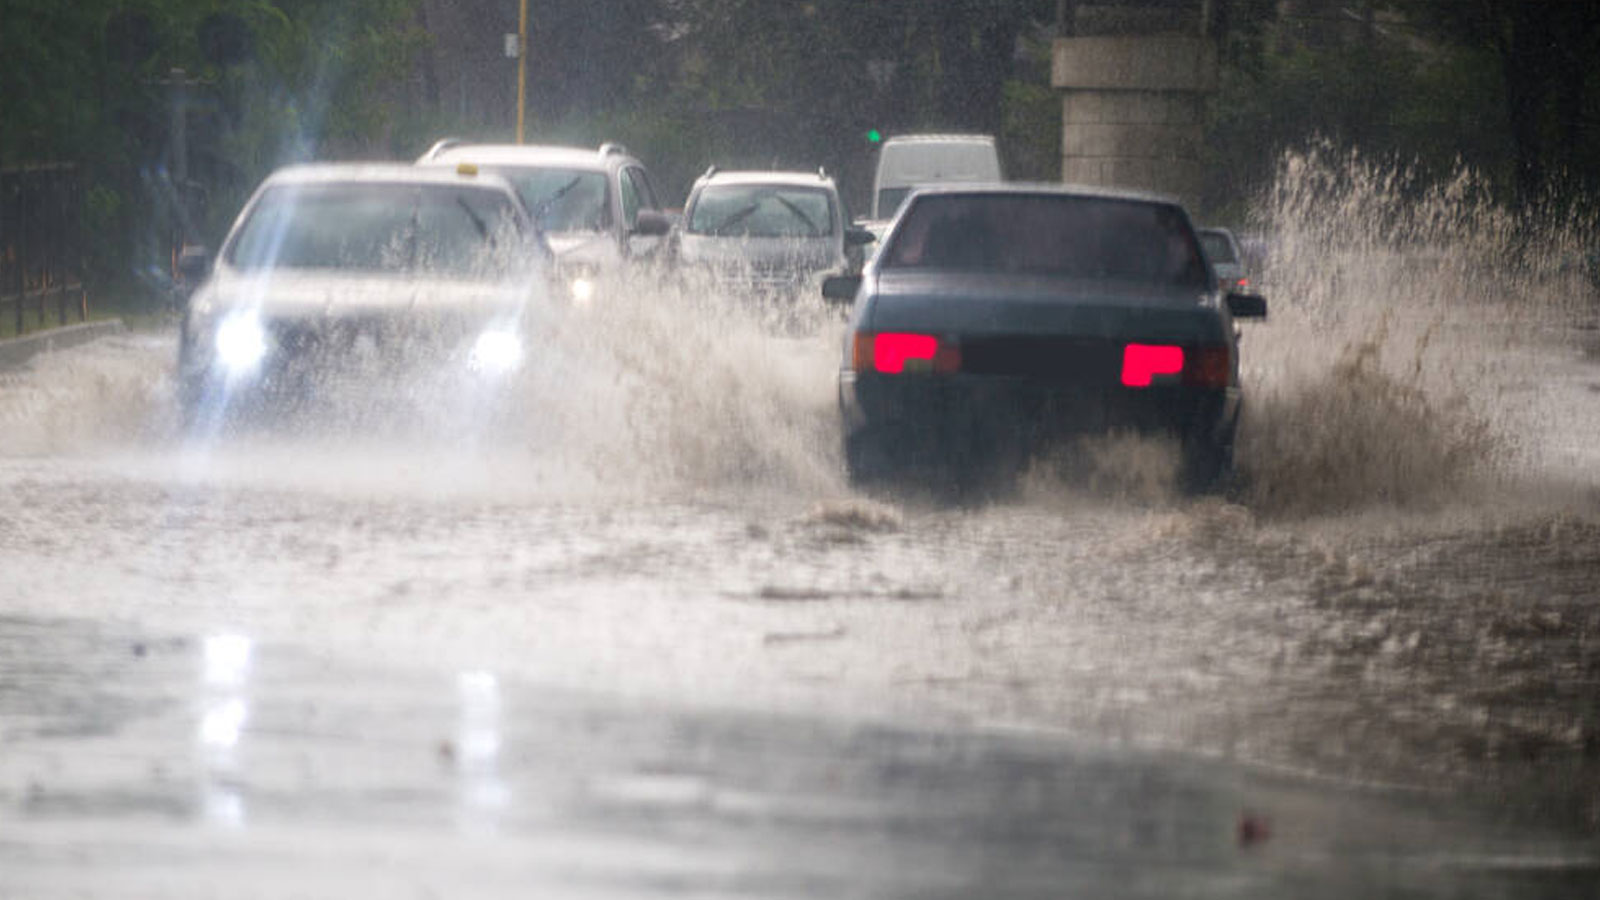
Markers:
1049,234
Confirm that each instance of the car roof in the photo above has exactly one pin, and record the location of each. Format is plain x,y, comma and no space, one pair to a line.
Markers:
381,173
941,138
1043,189
752,176
540,155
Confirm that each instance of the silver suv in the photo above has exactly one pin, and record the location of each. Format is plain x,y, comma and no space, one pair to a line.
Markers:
768,232
598,209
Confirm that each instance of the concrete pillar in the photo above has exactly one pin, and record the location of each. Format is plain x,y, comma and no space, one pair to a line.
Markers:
1133,98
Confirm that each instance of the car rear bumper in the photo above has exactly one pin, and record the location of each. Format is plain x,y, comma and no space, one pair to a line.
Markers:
956,411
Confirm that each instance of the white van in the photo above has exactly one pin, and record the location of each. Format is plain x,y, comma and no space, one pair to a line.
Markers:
913,159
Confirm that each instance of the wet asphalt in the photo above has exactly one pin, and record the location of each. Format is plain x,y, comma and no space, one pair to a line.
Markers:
314,668
147,765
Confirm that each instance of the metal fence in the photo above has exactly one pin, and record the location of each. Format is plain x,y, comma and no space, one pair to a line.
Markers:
41,247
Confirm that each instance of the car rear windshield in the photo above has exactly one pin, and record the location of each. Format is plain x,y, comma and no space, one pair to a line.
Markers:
1049,234
442,229
563,199
762,210
1218,248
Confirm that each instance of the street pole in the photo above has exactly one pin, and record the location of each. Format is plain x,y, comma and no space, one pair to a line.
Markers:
522,71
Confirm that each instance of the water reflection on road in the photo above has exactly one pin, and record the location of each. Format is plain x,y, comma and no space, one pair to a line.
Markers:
318,776
224,684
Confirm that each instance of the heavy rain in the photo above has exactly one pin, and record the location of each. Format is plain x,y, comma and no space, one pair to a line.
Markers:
623,625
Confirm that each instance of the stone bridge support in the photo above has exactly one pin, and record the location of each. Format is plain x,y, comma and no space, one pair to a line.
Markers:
1134,79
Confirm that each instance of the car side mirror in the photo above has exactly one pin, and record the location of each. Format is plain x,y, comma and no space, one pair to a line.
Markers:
840,288
194,262
856,236
650,223
1247,306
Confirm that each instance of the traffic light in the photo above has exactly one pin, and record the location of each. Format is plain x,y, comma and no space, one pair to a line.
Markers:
875,136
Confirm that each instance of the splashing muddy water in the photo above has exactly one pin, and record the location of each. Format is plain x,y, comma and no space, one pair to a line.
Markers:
1412,327
1402,587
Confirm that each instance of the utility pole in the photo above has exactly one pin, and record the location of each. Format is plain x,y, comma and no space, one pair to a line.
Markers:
522,71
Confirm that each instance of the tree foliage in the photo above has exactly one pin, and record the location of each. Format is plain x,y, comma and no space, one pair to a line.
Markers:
92,82
1543,52
1498,86
1501,85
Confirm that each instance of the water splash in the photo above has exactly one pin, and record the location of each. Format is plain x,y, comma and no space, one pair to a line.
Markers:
689,384
1405,314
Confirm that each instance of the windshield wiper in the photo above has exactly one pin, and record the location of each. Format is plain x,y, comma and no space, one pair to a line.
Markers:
735,218
799,213
546,203
477,220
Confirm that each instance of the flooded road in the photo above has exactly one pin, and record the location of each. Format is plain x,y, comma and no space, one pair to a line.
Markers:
1387,636
1399,668
154,767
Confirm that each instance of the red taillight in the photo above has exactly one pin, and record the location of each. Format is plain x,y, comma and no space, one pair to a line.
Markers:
1210,367
1242,284
894,353
1142,362
891,351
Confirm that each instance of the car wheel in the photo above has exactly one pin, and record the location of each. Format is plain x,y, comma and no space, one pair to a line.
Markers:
1207,466
867,458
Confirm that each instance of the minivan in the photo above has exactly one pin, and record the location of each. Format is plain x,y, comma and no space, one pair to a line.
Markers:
914,159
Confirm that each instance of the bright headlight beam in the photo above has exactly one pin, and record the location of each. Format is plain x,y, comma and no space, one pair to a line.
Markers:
497,352
241,342
582,291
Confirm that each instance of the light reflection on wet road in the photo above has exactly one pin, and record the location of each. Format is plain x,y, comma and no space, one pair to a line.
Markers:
436,671
146,766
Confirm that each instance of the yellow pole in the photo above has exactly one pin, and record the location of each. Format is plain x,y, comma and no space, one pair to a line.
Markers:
522,70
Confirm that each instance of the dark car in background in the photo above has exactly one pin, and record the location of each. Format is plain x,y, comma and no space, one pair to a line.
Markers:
998,320
1227,258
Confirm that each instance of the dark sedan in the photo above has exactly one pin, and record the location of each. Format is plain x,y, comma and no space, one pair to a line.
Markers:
997,320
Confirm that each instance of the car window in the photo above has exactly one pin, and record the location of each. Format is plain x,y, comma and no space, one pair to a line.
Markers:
630,199
646,190
1081,237
762,210
442,229
1217,246
562,200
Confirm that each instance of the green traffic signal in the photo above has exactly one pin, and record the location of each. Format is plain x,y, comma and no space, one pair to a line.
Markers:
875,136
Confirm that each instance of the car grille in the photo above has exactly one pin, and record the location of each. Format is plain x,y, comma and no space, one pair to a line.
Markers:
339,340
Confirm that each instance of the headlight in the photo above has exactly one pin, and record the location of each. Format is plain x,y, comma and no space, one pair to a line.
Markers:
496,352
582,290
241,343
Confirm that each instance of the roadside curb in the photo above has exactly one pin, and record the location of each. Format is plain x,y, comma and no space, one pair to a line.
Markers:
15,352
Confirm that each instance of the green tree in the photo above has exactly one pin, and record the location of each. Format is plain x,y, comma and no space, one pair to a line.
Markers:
1544,53
89,82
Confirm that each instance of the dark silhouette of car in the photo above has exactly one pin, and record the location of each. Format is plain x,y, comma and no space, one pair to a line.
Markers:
998,320
1227,258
